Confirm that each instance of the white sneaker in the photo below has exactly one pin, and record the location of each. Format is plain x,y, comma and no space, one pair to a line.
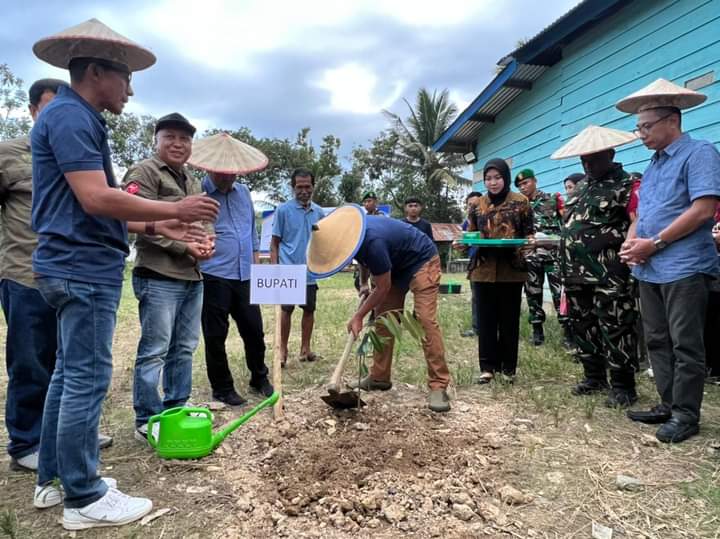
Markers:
26,463
113,509
649,373
51,494
141,433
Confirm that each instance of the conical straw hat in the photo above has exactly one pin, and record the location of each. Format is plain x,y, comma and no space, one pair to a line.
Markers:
226,155
593,139
661,93
92,39
336,241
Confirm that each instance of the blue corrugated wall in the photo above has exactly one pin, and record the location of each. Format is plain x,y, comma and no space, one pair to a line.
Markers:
674,39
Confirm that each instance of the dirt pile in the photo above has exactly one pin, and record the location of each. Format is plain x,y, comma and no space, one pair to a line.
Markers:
394,468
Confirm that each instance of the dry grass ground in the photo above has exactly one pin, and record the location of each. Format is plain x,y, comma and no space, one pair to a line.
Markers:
527,460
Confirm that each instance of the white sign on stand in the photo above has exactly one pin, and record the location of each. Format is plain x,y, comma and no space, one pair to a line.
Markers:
278,284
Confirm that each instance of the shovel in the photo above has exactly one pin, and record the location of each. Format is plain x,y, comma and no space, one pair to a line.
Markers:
347,399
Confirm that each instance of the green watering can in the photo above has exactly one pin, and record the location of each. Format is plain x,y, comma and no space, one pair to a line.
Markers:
186,433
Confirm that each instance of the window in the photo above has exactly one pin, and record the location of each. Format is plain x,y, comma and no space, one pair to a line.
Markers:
700,82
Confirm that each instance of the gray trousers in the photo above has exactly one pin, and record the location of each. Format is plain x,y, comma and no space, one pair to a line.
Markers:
674,320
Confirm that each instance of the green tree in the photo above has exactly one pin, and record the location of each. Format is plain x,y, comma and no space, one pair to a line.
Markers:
437,174
430,118
14,118
350,185
327,169
131,137
394,180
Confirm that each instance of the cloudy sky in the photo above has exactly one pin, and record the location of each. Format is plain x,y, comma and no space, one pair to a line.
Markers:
276,67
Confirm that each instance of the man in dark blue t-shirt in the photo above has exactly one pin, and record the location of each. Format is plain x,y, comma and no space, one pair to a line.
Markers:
81,220
399,258
413,208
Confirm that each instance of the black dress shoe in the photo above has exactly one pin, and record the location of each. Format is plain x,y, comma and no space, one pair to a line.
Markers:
675,431
656,414
264,387
538,337
589,386
621,398
229,397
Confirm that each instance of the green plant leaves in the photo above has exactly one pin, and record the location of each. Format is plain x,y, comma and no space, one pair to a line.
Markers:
394,322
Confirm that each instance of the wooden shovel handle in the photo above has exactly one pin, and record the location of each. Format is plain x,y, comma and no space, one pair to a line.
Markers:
334,385
277,367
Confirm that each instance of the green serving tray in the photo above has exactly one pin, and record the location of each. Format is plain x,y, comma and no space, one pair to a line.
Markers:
475,238
512,242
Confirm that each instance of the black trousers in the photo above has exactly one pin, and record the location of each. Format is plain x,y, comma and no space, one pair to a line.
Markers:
674,321
712,333
223,298
498,311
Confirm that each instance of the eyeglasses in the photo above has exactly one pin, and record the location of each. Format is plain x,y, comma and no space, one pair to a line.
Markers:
647,126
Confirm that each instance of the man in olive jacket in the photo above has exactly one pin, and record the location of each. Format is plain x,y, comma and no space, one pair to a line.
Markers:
166,279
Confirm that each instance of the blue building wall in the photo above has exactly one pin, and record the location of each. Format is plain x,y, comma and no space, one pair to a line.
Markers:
674,39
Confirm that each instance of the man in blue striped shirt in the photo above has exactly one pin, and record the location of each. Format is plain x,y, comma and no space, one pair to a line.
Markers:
227,290
672,252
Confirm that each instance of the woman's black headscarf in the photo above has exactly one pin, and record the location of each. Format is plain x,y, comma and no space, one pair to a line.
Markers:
501,166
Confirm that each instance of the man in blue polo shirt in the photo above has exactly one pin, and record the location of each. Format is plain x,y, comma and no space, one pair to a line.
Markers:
292,226
80,218
671,250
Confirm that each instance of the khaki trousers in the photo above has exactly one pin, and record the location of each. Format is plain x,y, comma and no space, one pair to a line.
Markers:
424,286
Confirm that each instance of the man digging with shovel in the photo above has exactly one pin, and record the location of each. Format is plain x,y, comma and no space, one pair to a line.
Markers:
399,258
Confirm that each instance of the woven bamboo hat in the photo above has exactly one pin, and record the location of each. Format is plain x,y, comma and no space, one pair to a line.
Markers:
661,93
335,241
92,39
224,154
593,139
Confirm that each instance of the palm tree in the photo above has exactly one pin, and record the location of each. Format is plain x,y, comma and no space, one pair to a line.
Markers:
431,116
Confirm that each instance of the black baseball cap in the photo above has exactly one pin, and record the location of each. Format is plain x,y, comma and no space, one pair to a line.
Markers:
175,120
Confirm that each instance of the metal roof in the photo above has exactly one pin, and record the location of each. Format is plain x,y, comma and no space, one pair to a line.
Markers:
445,232
522,67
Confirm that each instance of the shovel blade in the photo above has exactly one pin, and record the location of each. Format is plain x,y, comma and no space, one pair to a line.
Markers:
344,401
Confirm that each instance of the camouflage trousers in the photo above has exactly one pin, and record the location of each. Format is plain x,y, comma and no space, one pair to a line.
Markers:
539,265
603,320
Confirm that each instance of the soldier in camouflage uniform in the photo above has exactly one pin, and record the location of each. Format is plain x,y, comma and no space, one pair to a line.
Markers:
547,211
602,309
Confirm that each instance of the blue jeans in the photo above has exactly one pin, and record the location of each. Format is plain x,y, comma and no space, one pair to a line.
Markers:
170,320
30,359
86,315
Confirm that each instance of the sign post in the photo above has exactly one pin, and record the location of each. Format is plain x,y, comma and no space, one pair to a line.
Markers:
278,284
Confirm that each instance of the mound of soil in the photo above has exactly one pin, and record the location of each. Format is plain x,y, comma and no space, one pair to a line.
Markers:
393,468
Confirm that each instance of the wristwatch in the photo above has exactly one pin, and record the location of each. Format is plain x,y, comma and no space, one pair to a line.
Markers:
660,244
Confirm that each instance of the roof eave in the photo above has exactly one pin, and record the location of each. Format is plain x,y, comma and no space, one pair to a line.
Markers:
441,144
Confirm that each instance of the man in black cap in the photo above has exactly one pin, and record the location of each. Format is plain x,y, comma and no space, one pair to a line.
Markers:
166,279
